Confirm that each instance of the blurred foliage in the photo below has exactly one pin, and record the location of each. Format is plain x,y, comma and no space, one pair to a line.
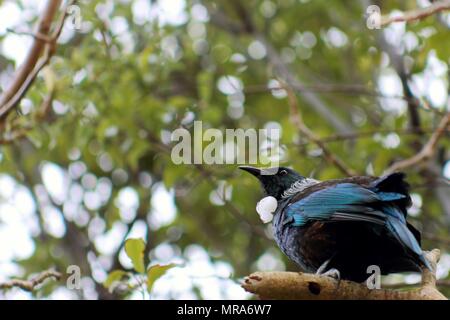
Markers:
143,280
122,84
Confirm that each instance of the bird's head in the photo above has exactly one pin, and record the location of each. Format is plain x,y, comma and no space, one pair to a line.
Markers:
277,182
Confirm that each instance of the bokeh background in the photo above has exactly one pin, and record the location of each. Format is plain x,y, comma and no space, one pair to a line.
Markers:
85,161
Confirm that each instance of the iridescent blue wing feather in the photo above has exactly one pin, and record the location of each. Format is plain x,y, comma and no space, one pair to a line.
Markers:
353,202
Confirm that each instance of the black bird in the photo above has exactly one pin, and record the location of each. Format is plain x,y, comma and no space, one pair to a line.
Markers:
343,225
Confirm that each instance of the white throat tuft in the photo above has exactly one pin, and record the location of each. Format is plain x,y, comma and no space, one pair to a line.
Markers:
266,208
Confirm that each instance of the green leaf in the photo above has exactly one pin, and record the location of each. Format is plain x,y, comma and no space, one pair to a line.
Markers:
114,276
135,251
155,272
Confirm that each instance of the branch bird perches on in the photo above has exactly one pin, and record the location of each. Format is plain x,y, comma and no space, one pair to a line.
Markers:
305,286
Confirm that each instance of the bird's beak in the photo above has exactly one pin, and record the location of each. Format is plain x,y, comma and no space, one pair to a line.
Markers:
254,171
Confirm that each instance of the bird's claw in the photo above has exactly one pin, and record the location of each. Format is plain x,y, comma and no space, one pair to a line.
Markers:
333,273
323,267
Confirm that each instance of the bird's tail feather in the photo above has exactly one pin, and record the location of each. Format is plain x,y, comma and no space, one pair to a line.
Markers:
406,238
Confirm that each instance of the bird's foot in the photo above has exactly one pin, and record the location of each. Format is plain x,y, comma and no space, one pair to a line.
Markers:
332,273
323,267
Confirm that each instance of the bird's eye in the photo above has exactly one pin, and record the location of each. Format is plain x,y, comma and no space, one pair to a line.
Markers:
283,172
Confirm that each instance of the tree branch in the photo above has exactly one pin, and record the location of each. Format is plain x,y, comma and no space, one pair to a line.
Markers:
222,21
310,97
427,151
44,45
297,120
433,169
31,284
304,286
417,14
368,134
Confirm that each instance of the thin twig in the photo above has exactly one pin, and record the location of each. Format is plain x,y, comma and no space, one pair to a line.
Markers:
427,151
417,14
301,126
368,134
31,284
37,35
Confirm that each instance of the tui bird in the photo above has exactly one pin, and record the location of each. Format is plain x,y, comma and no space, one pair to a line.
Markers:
340,227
